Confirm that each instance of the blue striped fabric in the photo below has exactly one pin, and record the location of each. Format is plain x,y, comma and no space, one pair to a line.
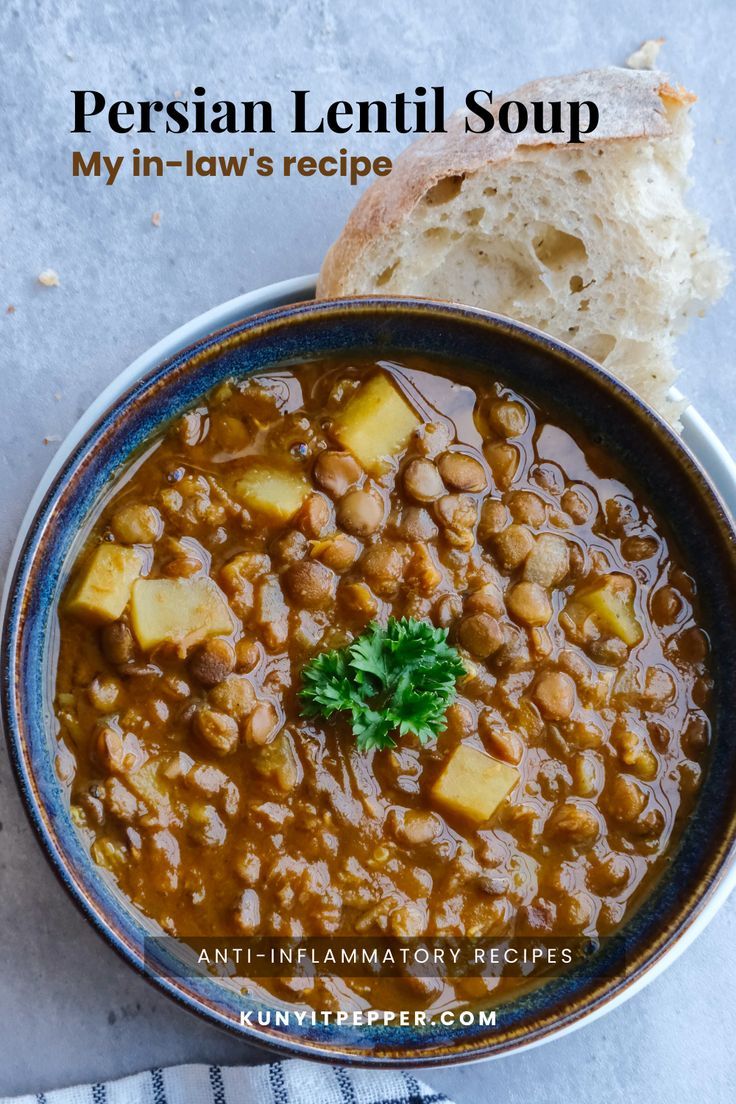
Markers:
293,1082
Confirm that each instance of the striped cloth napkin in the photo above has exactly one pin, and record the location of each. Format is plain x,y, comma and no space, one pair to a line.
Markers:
292,1082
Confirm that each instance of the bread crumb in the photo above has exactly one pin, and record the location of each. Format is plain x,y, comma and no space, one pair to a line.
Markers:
156,218
57,396
48,278
10,309
646,56
676,94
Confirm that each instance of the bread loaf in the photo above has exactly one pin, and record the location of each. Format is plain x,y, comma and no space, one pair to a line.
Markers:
592,243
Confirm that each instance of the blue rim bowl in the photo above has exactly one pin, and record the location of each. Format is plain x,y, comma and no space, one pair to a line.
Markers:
562,380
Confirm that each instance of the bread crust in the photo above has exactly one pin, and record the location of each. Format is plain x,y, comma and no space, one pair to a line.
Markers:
634,106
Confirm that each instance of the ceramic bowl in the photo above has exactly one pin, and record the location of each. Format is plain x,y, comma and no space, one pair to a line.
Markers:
537,366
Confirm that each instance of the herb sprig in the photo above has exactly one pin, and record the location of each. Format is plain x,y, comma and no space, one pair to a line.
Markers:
400,678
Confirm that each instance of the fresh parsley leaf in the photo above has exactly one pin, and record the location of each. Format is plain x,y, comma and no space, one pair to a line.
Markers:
397,679
326,684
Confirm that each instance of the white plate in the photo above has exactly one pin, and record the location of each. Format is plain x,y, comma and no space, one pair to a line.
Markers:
696,433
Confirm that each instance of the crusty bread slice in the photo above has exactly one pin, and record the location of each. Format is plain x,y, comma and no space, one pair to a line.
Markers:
591,243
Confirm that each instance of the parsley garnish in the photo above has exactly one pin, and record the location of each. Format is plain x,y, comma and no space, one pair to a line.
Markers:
398,679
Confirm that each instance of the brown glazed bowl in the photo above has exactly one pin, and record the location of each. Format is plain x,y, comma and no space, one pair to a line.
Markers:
700,866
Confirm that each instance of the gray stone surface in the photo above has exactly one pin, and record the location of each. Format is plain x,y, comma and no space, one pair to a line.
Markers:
70,1010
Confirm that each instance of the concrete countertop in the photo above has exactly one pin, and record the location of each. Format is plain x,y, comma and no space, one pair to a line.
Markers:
70,1009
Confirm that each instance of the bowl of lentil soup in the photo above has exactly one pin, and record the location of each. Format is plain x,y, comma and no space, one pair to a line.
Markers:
261,501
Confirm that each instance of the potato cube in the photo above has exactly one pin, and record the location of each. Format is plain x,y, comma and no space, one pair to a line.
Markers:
376,424
473,783
273,492
146,784
277,762
151,790
612,603
178,611
103,591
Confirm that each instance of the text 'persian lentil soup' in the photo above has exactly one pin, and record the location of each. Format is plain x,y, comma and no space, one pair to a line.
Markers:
239,772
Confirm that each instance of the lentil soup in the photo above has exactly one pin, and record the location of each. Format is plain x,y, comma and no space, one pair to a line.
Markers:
277,520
